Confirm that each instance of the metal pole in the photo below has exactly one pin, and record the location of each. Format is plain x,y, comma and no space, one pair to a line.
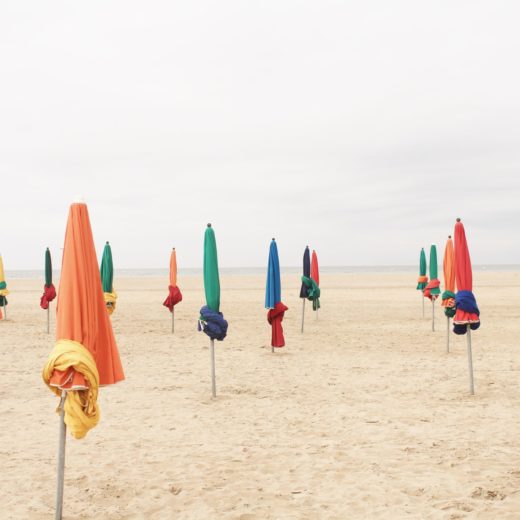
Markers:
61,458
213,382
303,313
173,320
448,334
48,318
470,363
433,315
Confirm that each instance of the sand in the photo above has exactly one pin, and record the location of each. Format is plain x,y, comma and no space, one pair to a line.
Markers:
363,416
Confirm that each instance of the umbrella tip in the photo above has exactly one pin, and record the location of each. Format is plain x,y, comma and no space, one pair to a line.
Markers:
449,236
458,219
273,239
107,243
209,224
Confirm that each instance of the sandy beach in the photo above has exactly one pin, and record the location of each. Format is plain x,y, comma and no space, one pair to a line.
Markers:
364,416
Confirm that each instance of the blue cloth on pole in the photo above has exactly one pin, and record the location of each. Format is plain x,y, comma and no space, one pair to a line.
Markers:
465,301
304,291
273,287
212,323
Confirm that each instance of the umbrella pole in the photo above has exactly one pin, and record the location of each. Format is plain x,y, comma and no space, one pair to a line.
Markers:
303,313
433,315
213,382
48,318
316,314
173,320
61,458
470,363
448,334
5,312
422,297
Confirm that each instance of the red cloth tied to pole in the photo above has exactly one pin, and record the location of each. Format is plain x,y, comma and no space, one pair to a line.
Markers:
432,284
49,293
174,297
275,317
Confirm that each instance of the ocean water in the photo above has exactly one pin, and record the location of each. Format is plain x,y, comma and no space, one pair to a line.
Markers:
350,269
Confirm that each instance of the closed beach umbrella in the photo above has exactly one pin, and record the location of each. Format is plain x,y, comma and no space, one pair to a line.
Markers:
423,279
306,274
49,291
211,320
315,271
107,279
273,290
174,293
467,314
4,291
448,296
432,289
315,293
85,355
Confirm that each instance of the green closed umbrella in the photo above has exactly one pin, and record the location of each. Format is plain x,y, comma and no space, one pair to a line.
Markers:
423,279
211,279
48,268
107,278
211,320
432,290
49,291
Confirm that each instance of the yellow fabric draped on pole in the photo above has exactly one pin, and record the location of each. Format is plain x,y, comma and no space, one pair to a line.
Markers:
110,300
81,408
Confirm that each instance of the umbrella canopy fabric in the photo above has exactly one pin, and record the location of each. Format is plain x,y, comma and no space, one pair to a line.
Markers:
467,312
273,286
211,320
211,277
306,271
432,289
49,291
85,355
107,279
174,293
315,271
4,291
173,268
422,281
448,296
273,291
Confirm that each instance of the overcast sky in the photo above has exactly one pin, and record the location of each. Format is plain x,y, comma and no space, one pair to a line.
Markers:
360,128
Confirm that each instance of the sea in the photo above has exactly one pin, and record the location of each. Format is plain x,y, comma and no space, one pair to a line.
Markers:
349,269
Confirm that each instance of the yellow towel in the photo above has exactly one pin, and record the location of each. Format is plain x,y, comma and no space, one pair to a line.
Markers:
110,300
81,408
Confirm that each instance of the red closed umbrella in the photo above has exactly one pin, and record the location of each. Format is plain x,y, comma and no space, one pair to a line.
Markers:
467,315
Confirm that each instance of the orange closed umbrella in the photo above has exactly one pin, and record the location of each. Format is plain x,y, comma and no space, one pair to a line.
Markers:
174,293
85,355
448,296
81,310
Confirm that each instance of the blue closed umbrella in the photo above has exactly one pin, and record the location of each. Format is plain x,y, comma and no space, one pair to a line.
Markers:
273,288
273,291
306,273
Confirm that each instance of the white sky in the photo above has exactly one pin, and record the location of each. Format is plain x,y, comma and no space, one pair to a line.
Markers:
360,128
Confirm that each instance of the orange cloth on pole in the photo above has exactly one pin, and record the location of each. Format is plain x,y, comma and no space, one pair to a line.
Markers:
81,310
315,272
